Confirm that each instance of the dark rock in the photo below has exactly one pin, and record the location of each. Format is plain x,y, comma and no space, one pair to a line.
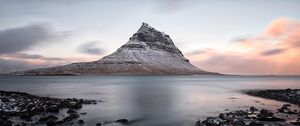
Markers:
71,117
5,100
222,116
271,119
53,108
295,123
26,116
49,117
71,111
5,122
30,106
239,123
68,119
122,121
60,122
285,108
213,121
75,105
81,121
83,113
51,123
264,113
240,113
98,124
198,123
288,95
253,109
254,123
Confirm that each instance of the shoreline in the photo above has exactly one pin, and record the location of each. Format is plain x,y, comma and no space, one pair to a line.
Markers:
283,116
20,108
284,95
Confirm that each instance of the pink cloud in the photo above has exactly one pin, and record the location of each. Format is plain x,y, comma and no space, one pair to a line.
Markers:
275,51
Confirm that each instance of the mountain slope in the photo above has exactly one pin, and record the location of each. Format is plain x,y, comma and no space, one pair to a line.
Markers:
148,51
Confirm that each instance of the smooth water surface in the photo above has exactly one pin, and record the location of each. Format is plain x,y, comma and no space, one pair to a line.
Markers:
153,100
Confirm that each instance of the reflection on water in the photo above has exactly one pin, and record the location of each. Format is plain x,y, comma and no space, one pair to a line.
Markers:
153,100
153,104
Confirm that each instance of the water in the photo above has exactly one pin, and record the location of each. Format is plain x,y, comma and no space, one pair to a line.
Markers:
154,100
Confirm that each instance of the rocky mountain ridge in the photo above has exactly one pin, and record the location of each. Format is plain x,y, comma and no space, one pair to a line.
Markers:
148,52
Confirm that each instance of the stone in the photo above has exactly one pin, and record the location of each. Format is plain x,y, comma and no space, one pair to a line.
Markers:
271,119
122,121
83,113
51,123
253,109
53,108
5,100
254,123
239,123
295,123
26,116
71,111
5,122
264,113
71,117
198,123
81,121
212,121
222,116
49,117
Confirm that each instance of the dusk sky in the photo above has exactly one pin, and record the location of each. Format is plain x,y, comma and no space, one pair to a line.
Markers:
226,36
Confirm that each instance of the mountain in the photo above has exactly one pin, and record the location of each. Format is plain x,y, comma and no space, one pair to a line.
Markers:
148,52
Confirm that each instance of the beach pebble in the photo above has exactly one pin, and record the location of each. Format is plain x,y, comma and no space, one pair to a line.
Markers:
122,121
81,121
71,111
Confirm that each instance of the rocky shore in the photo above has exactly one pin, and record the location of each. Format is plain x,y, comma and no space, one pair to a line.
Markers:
283,116
255,117
287,95
20,108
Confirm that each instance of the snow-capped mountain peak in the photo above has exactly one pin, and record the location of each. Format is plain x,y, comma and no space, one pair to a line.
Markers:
148,51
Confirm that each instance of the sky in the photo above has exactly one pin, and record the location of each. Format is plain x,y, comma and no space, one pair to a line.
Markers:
229,36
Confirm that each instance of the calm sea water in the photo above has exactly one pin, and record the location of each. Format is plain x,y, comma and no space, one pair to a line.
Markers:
154,100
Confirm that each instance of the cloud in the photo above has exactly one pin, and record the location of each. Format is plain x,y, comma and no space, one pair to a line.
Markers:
28,56
274,51
22,38
91,47
7,65
167,6
195,52
22,61
282,27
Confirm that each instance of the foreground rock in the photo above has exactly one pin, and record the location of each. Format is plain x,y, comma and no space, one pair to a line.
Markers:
148,51
287,95
24,106
284,116
253,117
